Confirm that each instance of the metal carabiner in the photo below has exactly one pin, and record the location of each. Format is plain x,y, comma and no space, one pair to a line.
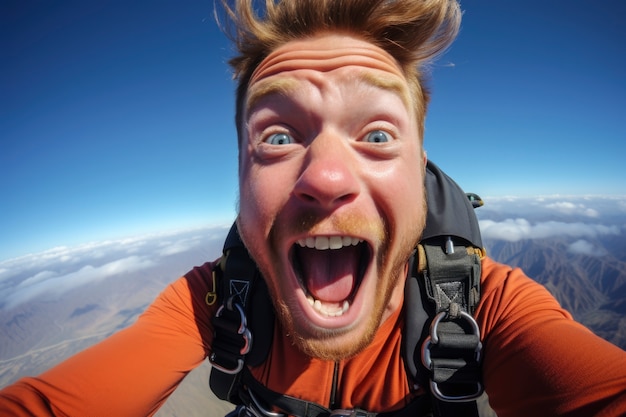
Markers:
433,339
243,330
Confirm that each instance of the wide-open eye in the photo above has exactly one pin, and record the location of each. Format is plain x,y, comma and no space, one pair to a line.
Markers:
377,136
279,139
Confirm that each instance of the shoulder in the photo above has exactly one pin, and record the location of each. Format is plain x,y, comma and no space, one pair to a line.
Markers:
512,304
504,286
190,298
195,285
201,280
533,349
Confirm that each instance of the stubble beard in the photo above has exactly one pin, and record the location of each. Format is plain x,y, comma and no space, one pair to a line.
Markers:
340,344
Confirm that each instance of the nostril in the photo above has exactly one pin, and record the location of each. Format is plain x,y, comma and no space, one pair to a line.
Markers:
326,199
346,198
308,198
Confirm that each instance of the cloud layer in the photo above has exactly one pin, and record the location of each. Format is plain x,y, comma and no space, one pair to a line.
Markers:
579,218
513,230
61,269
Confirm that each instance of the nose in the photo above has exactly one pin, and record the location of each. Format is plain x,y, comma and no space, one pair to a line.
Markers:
329,175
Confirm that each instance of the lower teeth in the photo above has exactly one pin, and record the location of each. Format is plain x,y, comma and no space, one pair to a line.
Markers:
327,311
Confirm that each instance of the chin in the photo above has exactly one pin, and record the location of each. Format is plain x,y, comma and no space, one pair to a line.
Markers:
333,344
341,337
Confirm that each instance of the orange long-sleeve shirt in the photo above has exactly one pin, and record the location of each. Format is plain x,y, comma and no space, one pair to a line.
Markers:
537,360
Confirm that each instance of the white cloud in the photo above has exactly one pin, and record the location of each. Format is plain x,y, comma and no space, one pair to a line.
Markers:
509,229
583,247
51,283
37,278
513,230
179,246
575,207
570,208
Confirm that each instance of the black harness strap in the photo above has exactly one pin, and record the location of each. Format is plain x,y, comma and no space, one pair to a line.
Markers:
291,406
451,278
288,405
244,290
451,351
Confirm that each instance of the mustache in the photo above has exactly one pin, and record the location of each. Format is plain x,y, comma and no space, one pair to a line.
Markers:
350,223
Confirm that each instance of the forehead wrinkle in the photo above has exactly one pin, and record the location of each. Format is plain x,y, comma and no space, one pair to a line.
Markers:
288,86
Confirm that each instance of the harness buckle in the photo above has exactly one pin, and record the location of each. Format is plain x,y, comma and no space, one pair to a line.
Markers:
348,413
434,340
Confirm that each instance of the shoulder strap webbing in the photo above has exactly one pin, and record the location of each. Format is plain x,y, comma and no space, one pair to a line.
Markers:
242,290
447,276
451,350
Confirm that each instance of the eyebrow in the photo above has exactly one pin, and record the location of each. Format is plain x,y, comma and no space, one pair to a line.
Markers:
389,83
285,87
266,88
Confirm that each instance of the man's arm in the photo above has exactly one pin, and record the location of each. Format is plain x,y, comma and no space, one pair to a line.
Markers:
537,360
132,372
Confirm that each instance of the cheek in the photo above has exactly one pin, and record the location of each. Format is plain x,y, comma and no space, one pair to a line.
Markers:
404,199
262,192
255,218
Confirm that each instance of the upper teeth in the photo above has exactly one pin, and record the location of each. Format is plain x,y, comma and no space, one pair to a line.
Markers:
328,242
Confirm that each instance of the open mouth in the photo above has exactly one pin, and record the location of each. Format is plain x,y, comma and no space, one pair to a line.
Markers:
330,270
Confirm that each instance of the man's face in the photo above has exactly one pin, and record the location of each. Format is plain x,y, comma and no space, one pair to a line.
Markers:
331,189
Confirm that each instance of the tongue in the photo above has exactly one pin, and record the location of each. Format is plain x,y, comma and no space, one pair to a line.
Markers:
330,275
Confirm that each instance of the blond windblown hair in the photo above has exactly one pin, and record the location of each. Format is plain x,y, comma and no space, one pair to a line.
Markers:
414,32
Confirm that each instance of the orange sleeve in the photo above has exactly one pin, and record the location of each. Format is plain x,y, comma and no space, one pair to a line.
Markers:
132,372
537,360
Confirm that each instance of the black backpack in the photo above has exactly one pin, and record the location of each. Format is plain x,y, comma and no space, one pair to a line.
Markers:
441,338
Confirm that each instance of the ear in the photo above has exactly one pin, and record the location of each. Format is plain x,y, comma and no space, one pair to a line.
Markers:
425,156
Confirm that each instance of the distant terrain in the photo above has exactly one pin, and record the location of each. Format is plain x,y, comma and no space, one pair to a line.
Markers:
73,297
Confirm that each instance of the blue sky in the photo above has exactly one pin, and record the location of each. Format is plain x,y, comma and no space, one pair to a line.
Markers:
116,117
